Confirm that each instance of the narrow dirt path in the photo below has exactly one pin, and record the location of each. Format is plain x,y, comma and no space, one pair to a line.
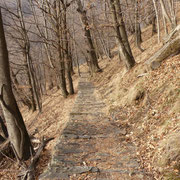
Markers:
91,147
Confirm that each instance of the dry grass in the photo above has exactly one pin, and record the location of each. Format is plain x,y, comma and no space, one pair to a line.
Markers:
154,118
48,124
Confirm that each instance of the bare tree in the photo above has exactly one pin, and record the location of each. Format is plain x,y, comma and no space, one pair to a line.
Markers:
91,51
157,18
137,26
154,29
27,46
55,23
18,134
125,50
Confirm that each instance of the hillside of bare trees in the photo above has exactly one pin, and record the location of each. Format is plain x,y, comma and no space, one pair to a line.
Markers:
130,50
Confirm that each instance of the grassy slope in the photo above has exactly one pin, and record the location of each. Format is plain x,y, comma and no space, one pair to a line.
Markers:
48,124
149,106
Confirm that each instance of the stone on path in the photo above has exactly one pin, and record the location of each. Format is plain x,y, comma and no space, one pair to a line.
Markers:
90,147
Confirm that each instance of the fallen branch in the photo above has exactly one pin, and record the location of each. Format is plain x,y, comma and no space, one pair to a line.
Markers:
4,145
28,174
175,32
168,49
141,75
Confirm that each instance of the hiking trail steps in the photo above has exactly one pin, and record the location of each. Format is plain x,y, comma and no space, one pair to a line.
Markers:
91,147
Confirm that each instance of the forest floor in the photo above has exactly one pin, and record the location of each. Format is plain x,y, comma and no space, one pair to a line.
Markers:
146,103
149,103
92,146
47,124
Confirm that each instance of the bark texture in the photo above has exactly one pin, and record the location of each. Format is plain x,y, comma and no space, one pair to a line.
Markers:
17,132
119,27
168,49
154,30
91,51
138,36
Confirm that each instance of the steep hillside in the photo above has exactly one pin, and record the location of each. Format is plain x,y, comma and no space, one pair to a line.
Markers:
47,124
148,104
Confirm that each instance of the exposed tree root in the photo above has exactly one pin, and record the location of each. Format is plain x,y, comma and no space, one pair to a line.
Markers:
28,173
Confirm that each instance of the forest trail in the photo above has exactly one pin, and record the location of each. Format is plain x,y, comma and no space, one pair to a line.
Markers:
91,145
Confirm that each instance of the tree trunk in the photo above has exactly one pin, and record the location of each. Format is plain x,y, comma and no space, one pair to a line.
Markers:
62,79
26,51
32,75
20,93
31,90
69,78
91,51
60,34
165,14
76,58
137,27
122,27
127,57
165,26
157,18
18,134
62,70
67,51
172,12
154,30
171,47
131,23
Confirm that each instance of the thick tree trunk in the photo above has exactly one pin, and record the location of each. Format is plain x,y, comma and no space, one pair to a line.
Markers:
126,56
61,73
59,33
91,51
18,134
122,27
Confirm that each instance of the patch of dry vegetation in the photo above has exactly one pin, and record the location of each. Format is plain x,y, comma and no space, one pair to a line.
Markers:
48,124
148,102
